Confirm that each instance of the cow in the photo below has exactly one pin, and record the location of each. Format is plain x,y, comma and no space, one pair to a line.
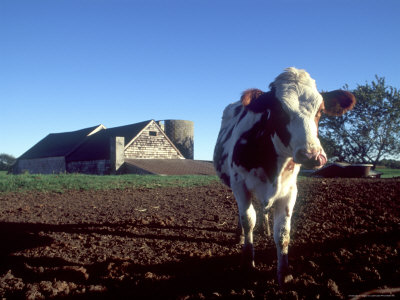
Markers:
264,139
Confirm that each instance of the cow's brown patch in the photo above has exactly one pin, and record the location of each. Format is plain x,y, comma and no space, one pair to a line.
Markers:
290,166
288,170
287,211
319,114
249,95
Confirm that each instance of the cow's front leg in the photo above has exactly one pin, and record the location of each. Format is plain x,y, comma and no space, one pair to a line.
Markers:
247,219
240,233
282,216
266,231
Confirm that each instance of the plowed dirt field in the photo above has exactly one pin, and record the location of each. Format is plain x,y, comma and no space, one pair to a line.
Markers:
180,243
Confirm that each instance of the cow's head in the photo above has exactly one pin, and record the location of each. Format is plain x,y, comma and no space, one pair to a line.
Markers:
301,107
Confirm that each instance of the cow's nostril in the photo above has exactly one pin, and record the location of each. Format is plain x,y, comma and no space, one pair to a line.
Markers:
308,155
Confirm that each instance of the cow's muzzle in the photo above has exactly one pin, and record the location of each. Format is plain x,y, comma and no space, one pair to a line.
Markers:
313,159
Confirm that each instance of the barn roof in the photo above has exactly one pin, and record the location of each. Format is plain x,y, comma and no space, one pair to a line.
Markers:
96,147
87,144
60,144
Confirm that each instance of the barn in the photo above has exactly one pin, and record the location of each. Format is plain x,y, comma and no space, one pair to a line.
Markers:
148,147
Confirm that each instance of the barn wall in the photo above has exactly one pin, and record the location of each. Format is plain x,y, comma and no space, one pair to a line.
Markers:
48,165
151,144
96,167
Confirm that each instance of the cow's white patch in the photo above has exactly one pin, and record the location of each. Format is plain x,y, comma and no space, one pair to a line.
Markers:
301,100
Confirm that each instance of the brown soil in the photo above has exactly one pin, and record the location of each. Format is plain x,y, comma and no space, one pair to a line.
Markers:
179,243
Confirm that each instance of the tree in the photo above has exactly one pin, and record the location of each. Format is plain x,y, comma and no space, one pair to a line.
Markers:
6,162
371,131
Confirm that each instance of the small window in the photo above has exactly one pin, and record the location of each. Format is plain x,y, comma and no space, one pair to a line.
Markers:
153,133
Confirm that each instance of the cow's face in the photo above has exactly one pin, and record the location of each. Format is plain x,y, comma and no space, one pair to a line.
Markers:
304,104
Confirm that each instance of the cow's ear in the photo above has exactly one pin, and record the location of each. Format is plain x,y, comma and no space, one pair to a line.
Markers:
338,102
256,100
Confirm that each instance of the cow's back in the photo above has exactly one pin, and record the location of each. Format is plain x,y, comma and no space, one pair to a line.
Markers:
225,143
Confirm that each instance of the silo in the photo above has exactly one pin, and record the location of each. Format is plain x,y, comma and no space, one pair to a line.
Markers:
181,133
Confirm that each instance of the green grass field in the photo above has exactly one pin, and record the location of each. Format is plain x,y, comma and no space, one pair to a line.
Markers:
388,173
62,182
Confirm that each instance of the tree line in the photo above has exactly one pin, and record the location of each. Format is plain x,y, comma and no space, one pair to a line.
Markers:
6,162
370,133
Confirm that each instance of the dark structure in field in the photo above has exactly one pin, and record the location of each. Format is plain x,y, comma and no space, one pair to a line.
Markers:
343,170
98,150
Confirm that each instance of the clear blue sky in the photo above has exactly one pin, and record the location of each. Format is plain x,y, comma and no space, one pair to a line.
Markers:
68,64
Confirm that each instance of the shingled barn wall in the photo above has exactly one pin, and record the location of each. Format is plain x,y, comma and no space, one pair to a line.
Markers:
151,144
47,165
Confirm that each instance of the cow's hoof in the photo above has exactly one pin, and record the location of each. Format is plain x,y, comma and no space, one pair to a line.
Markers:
248,257
247,262
248,266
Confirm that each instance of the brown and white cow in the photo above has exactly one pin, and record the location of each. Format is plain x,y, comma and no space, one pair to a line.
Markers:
263,140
